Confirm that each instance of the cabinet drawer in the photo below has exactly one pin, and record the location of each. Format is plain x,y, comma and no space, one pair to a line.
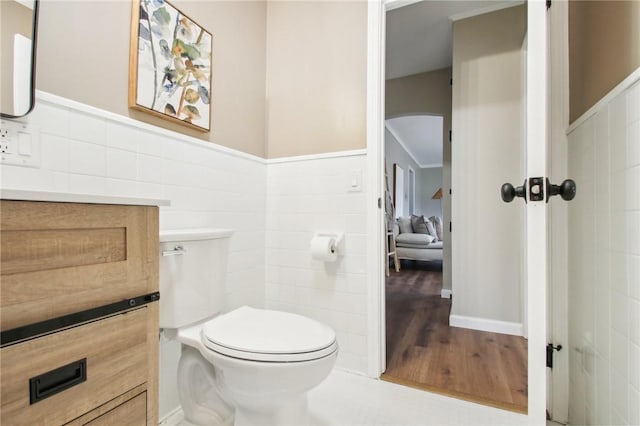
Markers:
131,413
61,258
115,349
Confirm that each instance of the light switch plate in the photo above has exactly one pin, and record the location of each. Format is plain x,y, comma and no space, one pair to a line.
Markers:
355,181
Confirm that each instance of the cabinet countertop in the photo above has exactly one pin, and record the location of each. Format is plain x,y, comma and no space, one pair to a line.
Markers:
71,197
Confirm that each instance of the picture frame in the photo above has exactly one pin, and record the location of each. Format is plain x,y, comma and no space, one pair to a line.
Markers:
170,65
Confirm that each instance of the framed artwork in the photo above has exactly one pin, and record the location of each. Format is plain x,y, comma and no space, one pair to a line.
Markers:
170,65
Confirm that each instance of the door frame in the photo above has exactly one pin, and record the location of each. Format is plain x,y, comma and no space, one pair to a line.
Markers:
536,112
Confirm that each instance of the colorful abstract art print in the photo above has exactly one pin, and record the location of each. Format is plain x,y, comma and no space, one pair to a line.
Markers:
170,65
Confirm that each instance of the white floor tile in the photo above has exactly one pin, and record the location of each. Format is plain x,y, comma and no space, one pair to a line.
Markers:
347,399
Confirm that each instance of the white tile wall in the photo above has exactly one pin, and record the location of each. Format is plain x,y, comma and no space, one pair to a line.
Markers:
90,151
604,265
304,198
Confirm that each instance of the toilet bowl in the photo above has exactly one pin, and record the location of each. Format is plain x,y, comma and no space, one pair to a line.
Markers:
248,366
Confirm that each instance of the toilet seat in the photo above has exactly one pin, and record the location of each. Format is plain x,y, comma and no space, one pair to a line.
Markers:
268,336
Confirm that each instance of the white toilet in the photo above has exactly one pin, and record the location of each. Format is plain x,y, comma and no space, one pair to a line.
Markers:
248,366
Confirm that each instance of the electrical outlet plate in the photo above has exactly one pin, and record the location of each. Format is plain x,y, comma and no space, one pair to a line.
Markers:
19,144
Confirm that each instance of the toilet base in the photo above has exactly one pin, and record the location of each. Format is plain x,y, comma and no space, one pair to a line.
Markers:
199,397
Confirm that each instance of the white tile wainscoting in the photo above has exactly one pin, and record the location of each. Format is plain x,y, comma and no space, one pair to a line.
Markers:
305,197
604,261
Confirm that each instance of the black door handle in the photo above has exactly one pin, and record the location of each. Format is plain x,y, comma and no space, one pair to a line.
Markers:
508,192
567,189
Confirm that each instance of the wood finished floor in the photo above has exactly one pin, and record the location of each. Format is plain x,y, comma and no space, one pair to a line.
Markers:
424,352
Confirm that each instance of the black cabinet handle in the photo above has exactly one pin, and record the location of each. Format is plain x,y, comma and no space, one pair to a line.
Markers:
55,381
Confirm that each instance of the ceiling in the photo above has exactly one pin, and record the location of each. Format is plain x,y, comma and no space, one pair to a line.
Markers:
419,35
419,39
420,136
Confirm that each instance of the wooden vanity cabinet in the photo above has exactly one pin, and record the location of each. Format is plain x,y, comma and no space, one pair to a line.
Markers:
60,262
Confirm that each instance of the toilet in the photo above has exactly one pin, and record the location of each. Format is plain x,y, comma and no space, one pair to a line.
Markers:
244,367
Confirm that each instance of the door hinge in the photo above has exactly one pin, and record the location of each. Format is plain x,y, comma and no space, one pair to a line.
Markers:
449,135
379,202
550,349
450,226
451,82
548,4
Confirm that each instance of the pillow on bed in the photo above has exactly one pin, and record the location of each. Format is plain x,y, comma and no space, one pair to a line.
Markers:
404,223
418,224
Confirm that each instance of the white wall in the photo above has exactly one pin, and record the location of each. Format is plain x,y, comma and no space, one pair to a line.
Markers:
92,151
487,151
427,180
604,264
312,196
430,181
396,154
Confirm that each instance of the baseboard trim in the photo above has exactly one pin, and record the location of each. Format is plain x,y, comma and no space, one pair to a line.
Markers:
485,324
445,293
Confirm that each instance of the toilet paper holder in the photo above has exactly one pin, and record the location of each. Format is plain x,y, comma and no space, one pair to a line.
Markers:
338,237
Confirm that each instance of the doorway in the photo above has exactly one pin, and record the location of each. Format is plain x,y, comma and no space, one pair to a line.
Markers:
475,337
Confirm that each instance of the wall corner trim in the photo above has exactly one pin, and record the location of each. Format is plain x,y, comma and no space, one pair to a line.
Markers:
486,324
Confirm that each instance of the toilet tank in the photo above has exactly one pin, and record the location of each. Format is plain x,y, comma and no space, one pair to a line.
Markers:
193,266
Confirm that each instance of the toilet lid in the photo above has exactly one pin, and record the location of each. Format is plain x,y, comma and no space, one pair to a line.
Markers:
264,335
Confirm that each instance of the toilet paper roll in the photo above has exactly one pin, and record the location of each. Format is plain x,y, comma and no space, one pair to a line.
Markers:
324,248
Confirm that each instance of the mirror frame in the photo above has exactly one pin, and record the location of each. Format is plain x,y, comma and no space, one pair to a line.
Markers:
34,44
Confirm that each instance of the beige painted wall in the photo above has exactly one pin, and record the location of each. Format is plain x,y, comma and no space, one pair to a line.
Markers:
428,92
316,77
487,151
83,54
604,48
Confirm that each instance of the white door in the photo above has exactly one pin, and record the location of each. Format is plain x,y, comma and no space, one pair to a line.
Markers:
534,191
